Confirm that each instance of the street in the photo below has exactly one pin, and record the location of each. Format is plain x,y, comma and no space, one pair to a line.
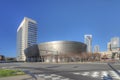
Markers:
67,71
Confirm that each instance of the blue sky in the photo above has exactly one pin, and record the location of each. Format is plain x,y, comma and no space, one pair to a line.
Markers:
60,20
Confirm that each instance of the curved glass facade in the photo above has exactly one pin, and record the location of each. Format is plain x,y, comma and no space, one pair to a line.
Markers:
55,51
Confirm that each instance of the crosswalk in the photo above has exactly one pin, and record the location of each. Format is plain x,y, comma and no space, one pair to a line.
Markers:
99,74
51,77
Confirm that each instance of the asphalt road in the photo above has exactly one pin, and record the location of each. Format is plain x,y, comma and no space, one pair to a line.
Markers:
71,71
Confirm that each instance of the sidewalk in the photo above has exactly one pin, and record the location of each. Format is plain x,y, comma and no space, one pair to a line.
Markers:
21,77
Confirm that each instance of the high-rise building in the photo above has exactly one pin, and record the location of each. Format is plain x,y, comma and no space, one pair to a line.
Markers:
26,36
88,42
115,43
96,48
109,46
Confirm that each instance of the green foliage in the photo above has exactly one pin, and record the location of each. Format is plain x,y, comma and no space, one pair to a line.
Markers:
7,72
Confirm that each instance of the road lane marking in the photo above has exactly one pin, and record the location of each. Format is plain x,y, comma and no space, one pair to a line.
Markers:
99,74
51,77
85,73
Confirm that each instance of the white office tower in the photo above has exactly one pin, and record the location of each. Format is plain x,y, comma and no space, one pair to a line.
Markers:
26,36
96,49
115,44
88,42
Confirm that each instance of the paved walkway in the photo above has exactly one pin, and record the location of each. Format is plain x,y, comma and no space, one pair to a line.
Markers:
21,77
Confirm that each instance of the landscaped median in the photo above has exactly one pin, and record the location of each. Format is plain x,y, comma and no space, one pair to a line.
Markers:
8,72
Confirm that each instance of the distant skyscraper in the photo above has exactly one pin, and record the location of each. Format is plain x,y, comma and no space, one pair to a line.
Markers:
26,36
115,43
109,46
88,42
96,48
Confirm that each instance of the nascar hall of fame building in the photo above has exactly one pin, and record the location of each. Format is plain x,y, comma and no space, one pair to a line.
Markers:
55,51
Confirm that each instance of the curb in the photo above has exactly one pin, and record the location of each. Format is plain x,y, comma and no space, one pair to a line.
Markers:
114,69
32,75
